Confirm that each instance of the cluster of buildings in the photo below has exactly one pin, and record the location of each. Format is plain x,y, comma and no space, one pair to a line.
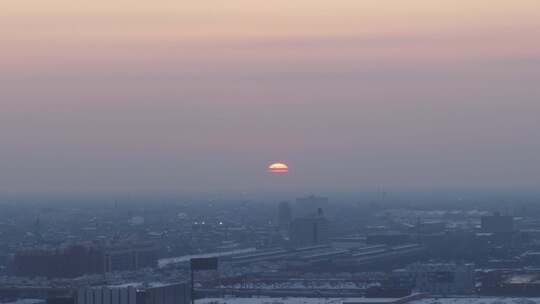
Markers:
300,249
310,227
135,293
74,260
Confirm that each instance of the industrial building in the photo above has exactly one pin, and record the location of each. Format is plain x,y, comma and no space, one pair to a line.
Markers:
135,294
73,260
443,279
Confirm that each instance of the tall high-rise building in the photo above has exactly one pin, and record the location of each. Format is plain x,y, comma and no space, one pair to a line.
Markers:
284,217
310,230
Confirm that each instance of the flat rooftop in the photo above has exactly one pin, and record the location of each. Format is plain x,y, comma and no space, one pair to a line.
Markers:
296,300
478,300
454,300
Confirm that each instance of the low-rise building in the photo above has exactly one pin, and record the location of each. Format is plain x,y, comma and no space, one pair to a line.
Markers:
443,279
136,293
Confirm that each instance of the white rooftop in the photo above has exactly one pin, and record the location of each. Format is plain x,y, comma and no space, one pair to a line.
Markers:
454,300
268,300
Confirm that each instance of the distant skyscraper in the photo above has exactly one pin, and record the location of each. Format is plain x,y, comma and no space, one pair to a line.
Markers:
310,231
284,217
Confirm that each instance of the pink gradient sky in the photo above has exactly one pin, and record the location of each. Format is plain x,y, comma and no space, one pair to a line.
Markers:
195,95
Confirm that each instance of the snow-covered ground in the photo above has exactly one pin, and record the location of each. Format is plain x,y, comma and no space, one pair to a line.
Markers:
26,301
302,284
464,300
478,300
287,300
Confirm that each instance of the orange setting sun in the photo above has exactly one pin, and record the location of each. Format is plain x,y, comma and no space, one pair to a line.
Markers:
278,168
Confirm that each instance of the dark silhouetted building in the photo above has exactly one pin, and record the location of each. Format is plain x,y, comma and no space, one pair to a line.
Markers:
130,256
68,261
61,262
136,294
284,217
443,279
309,231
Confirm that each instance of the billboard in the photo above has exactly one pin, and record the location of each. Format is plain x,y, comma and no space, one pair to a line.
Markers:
204,264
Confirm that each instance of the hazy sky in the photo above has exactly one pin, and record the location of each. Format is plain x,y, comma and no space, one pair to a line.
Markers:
202,95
